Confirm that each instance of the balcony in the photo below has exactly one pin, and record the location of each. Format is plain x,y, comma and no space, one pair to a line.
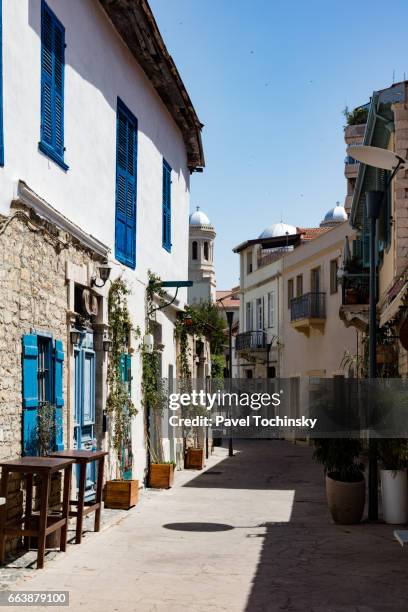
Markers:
308,312
250,341
355,298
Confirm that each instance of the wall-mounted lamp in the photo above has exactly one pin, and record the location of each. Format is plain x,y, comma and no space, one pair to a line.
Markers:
148,343
104,273
75,336
107,345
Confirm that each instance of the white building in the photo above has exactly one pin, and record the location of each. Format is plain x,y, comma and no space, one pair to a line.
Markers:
201,258
259,339
100,138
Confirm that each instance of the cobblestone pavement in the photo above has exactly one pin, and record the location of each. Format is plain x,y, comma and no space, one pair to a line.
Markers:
250,533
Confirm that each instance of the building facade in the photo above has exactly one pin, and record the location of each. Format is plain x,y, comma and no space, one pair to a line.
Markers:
99,138
385,127
315,342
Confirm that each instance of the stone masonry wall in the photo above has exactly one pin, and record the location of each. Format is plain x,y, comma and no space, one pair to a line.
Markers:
33,295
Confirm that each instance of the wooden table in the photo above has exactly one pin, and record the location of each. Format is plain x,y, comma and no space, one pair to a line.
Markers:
43,467
82,458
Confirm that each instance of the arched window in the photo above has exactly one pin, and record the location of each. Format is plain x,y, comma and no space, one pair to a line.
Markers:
206,251
194,249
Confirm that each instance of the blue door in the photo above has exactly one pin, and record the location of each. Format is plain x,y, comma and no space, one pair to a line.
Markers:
84,425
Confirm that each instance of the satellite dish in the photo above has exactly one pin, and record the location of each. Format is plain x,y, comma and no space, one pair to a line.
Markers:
376,157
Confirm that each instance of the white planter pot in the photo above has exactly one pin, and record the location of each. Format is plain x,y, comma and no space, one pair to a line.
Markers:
394,493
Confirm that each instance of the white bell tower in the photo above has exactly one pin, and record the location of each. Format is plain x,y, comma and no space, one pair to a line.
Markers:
201,258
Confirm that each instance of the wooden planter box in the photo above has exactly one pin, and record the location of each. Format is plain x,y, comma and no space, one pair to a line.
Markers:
121,494
195,459
161,475
386,354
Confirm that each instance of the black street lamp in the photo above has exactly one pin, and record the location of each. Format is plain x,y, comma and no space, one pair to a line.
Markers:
230,319
385,160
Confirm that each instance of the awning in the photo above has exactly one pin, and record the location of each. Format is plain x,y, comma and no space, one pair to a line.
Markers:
393,307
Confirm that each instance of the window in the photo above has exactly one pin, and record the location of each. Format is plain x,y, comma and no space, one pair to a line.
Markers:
206,251
290,291
333,276
126,167
1,88
42,362
299,285
315,286
271,309
271,372
259,314
166,210
249,262
248,315
194,249
52,86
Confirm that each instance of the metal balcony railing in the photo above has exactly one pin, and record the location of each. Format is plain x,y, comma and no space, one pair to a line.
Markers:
308,306
250,340
355,289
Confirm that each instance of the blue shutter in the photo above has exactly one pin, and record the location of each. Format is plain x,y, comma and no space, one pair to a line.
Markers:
58,394
126,165
30,394
1,88
166,210
52,86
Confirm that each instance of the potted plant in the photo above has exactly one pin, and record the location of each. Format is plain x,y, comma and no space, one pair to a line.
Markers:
161,475
345,484
393,455
194,458
119,492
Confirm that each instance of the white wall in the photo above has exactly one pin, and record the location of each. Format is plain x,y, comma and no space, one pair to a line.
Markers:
98,69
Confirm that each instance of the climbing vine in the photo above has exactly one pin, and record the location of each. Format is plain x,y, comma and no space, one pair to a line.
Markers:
154,396
119,404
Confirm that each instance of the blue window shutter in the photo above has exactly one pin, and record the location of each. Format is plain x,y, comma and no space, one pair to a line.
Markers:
166,208
30,394
126,168
52,86
58,394
1,87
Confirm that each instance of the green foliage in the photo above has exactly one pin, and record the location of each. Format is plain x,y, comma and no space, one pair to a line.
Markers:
205,321
358,116
393,453
46,430
217,366
119,404
339,457
208,322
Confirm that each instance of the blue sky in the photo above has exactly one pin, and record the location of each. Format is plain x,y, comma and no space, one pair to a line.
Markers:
270,79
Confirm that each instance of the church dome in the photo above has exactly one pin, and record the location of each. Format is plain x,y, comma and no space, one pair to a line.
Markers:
334,215
278,229
198,217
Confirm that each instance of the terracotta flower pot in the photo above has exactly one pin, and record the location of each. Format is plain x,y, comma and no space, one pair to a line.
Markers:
345,500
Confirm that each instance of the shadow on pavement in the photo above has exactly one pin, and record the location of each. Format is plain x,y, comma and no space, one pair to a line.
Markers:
309,563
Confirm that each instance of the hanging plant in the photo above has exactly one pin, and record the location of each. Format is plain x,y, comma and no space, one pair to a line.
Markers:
119,404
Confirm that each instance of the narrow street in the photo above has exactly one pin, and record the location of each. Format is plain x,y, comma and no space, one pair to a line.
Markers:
250,533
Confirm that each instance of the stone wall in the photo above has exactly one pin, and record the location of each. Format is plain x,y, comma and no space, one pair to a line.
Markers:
401,187
33,296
